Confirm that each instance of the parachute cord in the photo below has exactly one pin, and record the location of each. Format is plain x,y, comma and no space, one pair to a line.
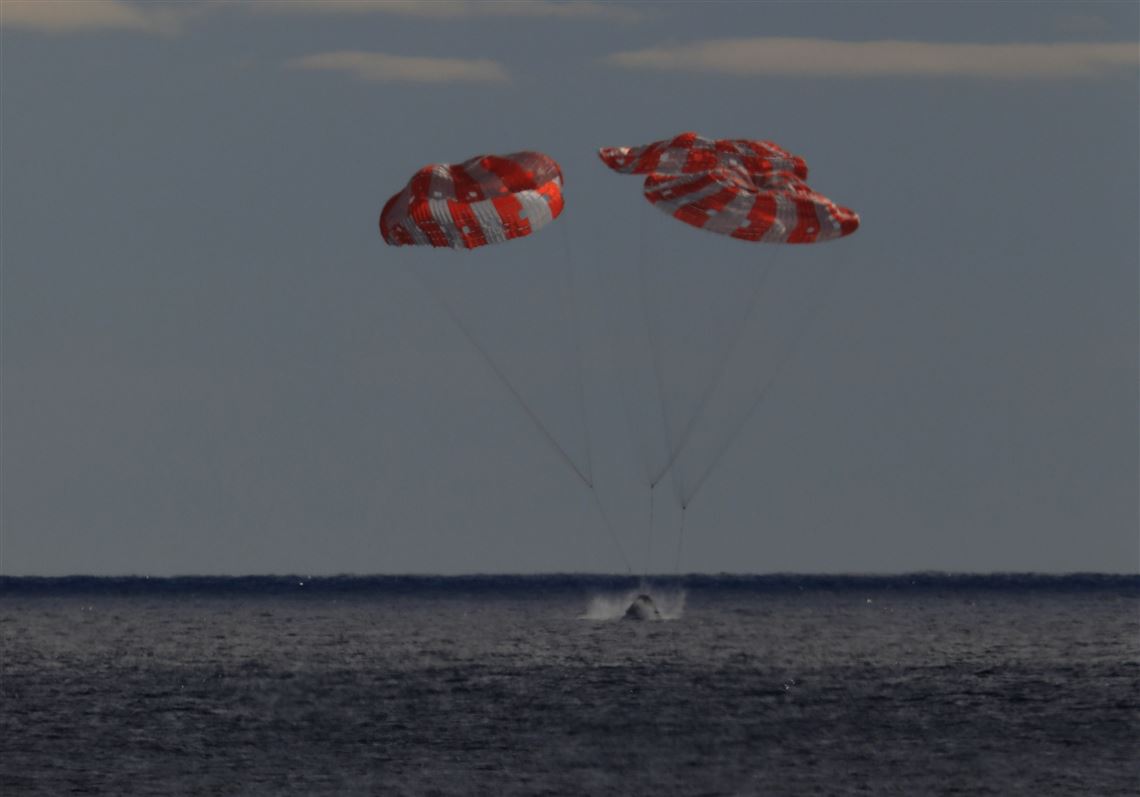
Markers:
722,367
579,359
649,537
680,538
620,368
793,349
653,348
580,367
434,291
610,529
623,389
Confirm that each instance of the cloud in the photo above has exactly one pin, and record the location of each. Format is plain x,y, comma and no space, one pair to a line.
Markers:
89,16
81,16
827,58
384,67
458,9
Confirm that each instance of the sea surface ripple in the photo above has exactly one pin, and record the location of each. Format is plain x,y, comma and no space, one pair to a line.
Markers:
755,685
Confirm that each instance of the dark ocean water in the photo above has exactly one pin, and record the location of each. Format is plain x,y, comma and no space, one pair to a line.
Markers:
755,685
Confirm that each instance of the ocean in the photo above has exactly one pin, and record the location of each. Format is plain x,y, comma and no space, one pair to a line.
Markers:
495,685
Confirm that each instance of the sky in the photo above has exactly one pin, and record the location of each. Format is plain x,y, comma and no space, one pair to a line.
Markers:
212,364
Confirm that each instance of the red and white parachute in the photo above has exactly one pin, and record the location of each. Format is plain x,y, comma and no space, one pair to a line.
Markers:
753,190
485,200
740,188
491,199
689,153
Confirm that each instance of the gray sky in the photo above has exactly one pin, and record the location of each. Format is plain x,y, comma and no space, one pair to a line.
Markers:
212,363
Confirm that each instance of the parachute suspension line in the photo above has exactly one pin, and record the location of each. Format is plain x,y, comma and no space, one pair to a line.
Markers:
721,368
650,331
435,293
619,367
649,537
580,365
805,322
570,298
438,296
680,539
623,388
610,529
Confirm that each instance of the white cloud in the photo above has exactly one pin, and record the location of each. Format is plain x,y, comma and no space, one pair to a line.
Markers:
384,67
79,16
458,9
827,58
88,16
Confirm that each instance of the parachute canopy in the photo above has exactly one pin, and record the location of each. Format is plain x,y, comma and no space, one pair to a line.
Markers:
753,190
690,153
485,200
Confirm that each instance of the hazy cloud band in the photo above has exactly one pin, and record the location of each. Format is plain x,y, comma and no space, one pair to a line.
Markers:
459,9
76,16
92,16
805,57
385,67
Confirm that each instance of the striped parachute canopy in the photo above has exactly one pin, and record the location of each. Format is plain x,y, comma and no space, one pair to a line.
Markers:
753,190
485,200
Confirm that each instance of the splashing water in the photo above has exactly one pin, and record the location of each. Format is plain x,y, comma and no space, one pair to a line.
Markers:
612,605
